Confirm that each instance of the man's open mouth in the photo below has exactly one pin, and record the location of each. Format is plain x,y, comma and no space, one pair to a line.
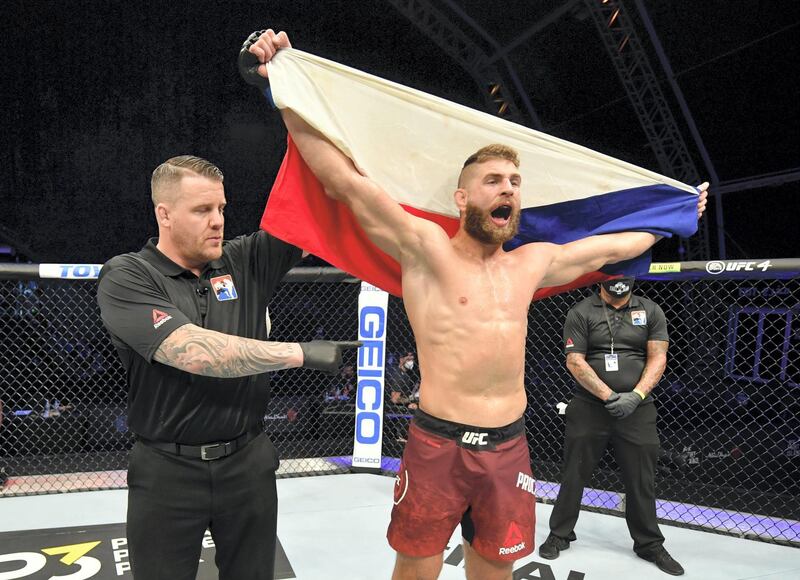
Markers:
500,215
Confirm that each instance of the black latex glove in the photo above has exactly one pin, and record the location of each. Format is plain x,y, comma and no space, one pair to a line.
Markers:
325,355
620,405
248,63
611,398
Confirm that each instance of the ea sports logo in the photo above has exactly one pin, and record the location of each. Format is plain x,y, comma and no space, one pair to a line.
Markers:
715,267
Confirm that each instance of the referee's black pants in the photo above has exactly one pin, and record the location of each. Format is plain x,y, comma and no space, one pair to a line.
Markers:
172,500
589,427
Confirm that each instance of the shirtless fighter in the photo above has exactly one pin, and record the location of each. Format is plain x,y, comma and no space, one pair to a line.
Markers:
467,299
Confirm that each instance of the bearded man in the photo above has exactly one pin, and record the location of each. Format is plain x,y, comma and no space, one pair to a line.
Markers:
467,300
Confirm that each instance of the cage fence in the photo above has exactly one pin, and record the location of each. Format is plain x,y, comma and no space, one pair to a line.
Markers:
728,403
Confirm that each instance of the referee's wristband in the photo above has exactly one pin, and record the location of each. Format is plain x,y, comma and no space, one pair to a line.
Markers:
640,393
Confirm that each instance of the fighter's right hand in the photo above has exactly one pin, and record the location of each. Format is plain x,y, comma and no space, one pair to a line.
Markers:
257,50
325,355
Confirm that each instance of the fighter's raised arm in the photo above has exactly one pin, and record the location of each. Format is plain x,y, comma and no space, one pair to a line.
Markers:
570,261
388,225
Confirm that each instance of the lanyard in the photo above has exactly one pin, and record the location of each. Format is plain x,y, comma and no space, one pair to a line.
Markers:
610,331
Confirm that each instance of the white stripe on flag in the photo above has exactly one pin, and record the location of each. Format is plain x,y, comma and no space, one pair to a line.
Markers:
414,144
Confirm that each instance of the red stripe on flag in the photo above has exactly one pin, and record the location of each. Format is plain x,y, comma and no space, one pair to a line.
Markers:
448,224
300,213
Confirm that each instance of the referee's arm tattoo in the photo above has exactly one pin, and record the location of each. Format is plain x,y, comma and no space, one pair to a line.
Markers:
654,367
586,377
210,353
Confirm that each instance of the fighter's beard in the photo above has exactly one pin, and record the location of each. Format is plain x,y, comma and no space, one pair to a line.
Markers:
478,224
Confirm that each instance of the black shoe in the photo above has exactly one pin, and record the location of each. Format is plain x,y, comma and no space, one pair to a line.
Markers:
552,546
664,561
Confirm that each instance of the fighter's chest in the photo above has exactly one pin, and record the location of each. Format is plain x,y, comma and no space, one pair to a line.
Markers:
487,288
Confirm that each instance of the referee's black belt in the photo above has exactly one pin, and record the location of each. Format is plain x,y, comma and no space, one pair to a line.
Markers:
209,451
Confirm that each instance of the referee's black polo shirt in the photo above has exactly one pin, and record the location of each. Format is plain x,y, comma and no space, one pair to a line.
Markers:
587,331
144,296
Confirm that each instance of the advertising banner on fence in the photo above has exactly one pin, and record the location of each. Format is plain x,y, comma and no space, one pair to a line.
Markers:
70,271
777,269
368,440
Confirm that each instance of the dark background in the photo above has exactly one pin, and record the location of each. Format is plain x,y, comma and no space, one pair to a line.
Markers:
96,94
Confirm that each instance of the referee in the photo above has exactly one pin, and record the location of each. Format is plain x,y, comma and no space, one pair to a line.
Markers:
616,347
188,317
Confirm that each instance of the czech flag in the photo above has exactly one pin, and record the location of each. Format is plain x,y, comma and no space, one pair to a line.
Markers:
413,145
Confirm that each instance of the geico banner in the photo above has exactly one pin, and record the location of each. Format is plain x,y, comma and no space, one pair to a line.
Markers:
372,310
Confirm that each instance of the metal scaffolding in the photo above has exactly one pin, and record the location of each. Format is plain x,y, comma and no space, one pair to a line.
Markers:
628,55
441,29
643,87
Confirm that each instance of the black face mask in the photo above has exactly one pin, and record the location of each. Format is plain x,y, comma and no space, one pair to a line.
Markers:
618,287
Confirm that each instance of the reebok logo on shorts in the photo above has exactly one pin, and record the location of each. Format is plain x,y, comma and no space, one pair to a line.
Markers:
160,317
526,483
513,542
570,344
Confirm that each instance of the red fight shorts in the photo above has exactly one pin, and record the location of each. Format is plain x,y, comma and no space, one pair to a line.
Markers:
453,473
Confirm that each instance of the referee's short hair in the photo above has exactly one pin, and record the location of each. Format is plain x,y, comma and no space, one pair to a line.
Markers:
169,174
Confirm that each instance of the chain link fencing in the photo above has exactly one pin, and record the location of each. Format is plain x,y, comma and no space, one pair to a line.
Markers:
728,405
62,390
729,401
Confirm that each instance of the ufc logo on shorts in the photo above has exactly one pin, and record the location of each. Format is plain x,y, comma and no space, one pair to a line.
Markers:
473,438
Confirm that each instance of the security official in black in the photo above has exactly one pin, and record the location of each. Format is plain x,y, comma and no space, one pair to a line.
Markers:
188,317
616,347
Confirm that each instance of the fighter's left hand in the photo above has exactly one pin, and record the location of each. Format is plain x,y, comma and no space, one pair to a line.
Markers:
702,199
256,52
266,46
